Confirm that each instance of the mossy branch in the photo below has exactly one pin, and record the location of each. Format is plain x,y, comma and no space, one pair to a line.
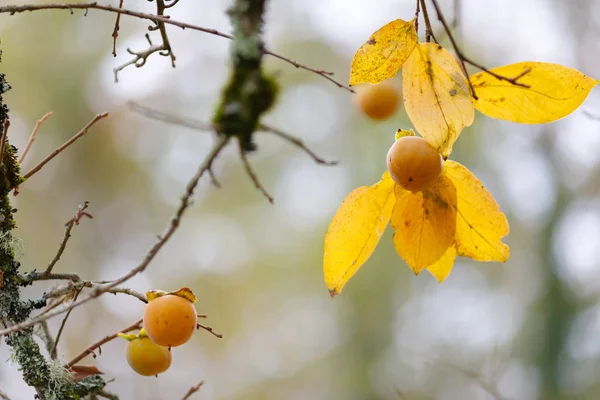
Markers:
50,379
249,93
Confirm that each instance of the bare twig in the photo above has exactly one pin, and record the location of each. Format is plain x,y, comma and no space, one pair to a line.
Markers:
47,339
175,221
198,125
70,224
4,396
33,136
252,175
417,11
209,329
13,9
428,29
115,33
163,49
169,118
192,390
62,326
106,339
3,140
296,142
69,142
130,292
73,277
203,126
325,74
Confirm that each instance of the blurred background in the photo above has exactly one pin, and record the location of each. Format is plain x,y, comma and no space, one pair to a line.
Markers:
527,329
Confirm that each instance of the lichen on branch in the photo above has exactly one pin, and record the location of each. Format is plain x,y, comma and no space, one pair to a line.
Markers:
249,93
50,380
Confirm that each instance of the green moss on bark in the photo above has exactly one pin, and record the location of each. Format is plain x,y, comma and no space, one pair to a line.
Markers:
50,381
249,93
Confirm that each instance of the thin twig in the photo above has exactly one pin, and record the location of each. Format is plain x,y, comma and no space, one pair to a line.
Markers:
130,292
62,326
4,396
252,174
175,221
3,140
418,10
192,390
33,136
296,142
35,276
70,224
163,49
209,329
169,118
115,33
69,142
48,340
428,28
202,126
13,9
106,339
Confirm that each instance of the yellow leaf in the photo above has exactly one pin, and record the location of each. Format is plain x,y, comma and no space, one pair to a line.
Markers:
425,223
184,292
383,54
436,96
442,267
355,231
480,224
554,92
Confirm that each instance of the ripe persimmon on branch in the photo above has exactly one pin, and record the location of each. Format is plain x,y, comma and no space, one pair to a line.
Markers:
237,123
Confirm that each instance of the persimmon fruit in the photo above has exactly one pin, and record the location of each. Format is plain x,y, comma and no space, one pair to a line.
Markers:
414,164
146,357
378,102
170,320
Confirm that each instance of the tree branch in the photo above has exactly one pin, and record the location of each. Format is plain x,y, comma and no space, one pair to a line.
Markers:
175,221
14,9
106,339
69,142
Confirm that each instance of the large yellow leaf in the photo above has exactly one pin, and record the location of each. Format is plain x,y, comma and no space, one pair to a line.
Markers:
480,224
355,231
425,223
383,54
554,92
442,267
436,96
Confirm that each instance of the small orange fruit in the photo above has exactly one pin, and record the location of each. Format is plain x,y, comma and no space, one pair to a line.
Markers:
170,320
379,102
413,163
146,357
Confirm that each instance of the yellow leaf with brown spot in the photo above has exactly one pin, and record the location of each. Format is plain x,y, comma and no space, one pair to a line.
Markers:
552,92
437,96
425,223
383,54
355,231
480,225
442,267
